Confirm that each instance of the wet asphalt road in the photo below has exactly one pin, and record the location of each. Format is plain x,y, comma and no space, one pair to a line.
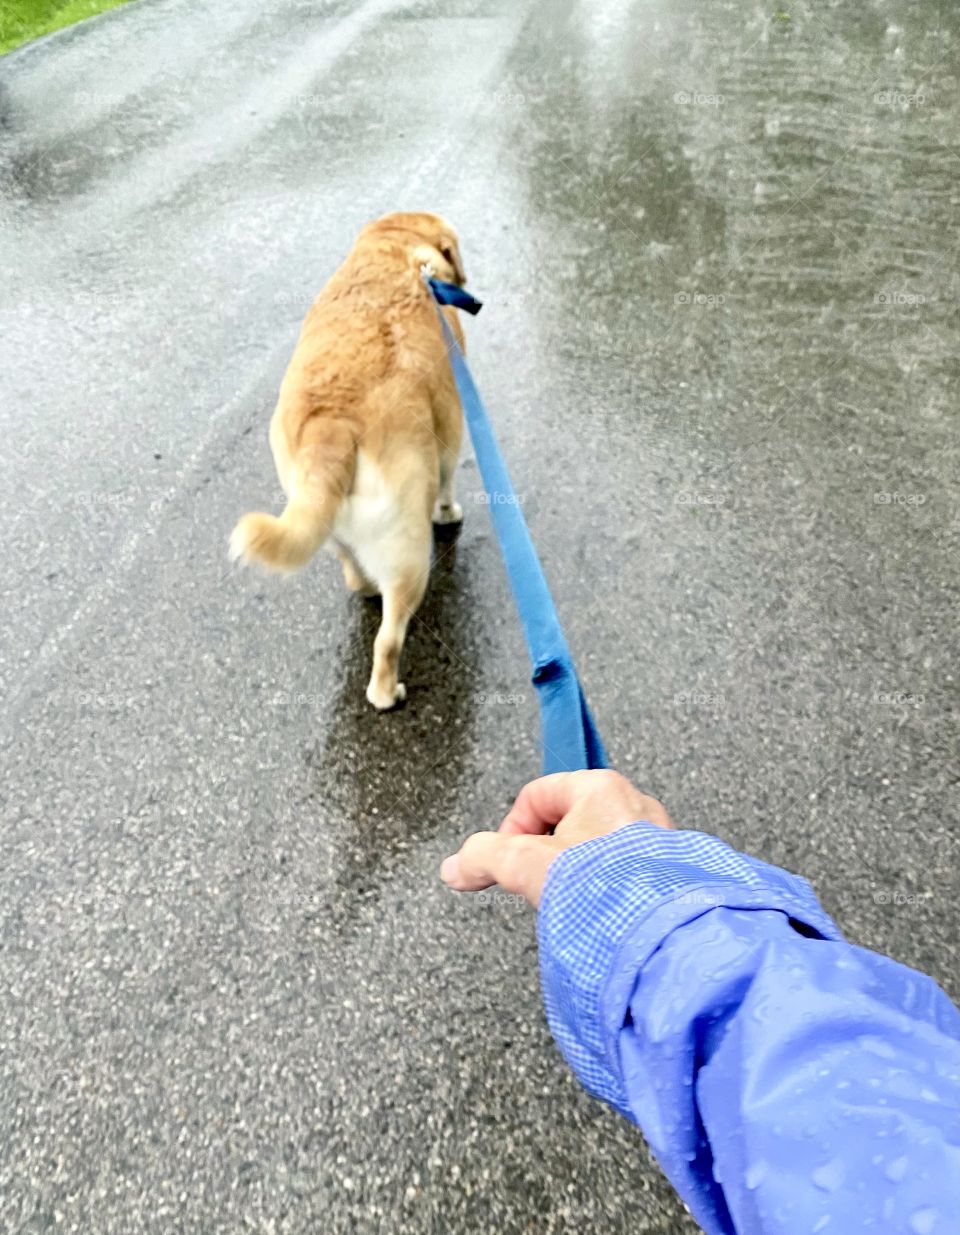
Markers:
718,251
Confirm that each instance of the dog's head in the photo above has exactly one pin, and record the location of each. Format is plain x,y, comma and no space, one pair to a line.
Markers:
430,240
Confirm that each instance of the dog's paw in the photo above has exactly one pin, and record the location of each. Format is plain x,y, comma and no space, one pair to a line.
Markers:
383,701
452,512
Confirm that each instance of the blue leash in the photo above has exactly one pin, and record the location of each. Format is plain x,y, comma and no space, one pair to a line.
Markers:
569,735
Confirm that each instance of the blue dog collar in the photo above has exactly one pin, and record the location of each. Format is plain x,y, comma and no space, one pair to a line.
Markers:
449,293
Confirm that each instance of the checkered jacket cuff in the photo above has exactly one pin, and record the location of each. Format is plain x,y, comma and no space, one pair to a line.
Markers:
609,903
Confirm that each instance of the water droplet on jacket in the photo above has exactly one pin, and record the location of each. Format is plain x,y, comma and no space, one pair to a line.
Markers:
896,1169
921,1222
756,1174
829,1177
877,1046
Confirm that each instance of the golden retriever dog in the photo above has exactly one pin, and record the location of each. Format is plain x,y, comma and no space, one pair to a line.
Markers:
366,431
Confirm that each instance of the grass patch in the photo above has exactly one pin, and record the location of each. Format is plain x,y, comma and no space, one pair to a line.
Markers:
23,20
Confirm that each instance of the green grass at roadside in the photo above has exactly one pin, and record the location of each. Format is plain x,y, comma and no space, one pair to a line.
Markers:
23,20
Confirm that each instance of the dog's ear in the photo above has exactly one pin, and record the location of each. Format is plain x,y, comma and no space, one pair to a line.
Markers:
443,258
450,252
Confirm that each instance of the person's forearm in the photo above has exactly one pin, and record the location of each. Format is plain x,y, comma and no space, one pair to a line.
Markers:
784,1078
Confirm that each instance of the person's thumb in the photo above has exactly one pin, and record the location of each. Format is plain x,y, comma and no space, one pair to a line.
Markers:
517,863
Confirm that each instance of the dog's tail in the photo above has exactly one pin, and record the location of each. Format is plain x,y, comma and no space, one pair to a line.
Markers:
322,475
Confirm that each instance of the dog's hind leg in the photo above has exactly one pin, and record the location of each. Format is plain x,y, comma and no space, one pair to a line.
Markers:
447,509
353,576
401,599
448,430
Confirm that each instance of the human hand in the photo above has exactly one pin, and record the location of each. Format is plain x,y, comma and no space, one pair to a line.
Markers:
550,814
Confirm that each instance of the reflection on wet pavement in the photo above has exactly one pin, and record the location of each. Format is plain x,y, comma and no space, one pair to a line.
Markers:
408,764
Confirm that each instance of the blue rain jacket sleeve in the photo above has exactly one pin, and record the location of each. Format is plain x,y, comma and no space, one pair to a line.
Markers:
788,1082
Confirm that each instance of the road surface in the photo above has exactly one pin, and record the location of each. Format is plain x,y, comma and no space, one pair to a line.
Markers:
717,246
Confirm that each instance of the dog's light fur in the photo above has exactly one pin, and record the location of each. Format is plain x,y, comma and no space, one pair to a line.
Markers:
367,428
